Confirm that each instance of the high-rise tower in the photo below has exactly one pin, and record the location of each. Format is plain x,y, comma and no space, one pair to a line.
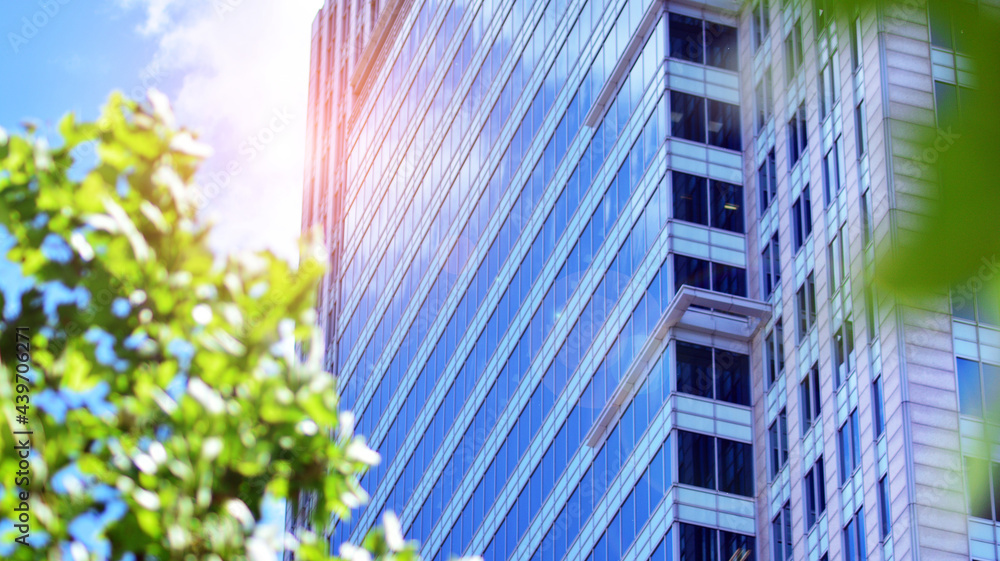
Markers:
600,267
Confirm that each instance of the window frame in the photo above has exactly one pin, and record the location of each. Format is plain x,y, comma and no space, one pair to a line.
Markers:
777,444
811,399
793,51
767,181
760,22
849,447
770,267
805,307
814,494
774,352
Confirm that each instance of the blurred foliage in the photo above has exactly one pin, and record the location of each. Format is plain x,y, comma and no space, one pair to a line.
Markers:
960,231
957,229
168,396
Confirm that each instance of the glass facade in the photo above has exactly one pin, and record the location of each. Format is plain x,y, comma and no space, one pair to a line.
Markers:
506,253
547,221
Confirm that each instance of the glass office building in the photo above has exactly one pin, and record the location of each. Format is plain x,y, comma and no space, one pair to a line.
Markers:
598,283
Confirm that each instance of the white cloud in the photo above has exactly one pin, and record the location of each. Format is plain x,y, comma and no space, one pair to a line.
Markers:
237,72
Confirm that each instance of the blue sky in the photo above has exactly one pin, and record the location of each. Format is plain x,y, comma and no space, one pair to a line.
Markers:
236,71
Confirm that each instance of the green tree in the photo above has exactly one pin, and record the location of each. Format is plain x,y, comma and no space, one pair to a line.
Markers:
166,394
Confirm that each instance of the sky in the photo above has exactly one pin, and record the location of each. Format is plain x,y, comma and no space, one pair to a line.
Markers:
236,72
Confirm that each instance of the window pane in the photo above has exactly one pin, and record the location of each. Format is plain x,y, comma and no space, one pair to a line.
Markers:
991,391
729,280
732,543
690,198
996,487
696,459
977,479
732,373
878,405
727,206
697,543
735,468
989,304
722,46
963,303
687,113
723,125
694,369
970,397
945,104
940,17
797,230
692,272
883,506
686,39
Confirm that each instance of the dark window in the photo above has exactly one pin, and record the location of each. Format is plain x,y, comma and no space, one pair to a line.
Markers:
856,44
805,306
854,538
878,407
727,206
831,172
696,459
860,127
885,520
724,125
697,543
764,99
815,493
732,543
777,436
836,254
970,392
690,198
810,395
723,46
686,41
761,22
735,468
850,447
692,272
867,234
732,373
713,373
729,280
946,104
827,90
770,264
843,352
781,535
774,352
694,369
793,50
798,137
987,304
801,219
767,181
687,113
977,480
951,24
